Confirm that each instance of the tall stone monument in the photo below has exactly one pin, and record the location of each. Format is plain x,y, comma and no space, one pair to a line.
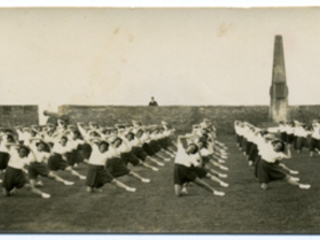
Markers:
279,89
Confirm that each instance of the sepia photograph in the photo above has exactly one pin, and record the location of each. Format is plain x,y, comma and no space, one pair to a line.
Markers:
160,120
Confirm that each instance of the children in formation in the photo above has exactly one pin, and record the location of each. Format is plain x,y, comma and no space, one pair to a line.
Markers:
46,150
267,152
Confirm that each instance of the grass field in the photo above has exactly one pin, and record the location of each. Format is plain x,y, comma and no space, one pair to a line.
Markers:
153,208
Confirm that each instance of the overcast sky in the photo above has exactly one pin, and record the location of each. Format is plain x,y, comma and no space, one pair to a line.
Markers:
179,56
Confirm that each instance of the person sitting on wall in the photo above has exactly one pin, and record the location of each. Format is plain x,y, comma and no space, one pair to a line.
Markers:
153,102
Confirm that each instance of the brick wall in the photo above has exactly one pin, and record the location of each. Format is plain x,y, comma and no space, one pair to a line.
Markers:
13,115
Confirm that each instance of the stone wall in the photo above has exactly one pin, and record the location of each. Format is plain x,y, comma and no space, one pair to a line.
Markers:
13,115
181,117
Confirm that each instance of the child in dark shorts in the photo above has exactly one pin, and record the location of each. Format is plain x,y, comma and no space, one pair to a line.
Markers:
269,168
183,172
14,177
98,175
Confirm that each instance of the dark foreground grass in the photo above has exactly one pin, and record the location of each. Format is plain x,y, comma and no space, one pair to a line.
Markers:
155,209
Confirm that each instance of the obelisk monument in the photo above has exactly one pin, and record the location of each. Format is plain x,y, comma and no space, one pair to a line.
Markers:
279,89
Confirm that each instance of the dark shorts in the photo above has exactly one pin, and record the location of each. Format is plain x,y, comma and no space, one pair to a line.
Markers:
116,167
71,157
139,153
85,150
314,144
13,178
56,163
290,138
243,144
155,146
163,143
253,152
201,172
283,136
146,147
130,158
205,160
36,169
248,146
267,172
183,174
301,142
97,176
4,159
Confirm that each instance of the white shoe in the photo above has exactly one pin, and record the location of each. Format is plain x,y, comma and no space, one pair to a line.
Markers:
294,172
145,180
155,169
45,195
0,180
217,193
130,189
82,177
264,186
223,184
224,168
160,164
98,190
295,179
221,161
68,183
184,191
222,175
304,186
167,159
250,163
39,184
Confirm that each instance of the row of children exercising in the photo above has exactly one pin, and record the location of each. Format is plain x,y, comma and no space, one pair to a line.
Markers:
45,150
299,135
199,153
266,152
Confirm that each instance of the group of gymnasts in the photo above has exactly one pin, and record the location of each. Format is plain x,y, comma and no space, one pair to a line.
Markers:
300,135
266,151
44,150
199,154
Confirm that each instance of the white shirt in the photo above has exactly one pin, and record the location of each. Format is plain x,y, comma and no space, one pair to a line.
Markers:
185,159
36,156
97,158
269,155
58,148
301,132
282,128
15,160
289,129
316,132
3,143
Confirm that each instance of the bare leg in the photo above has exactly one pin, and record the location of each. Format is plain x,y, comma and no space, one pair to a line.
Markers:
206,186
136,175
37,191
75,173
177,190
218,165
146,165
294,182
123,186
288,169
212,171
215,179
151,159
55,176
